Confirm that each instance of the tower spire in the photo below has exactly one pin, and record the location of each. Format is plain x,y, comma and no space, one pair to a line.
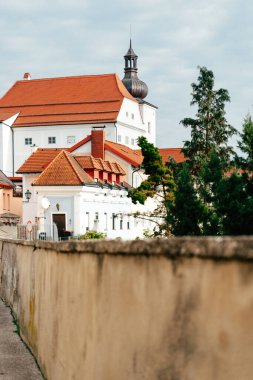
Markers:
134,85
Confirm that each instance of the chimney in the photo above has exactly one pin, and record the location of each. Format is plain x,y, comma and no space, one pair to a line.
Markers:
98,143
27,76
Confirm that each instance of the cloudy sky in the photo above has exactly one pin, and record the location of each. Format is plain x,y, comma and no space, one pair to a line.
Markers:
171,38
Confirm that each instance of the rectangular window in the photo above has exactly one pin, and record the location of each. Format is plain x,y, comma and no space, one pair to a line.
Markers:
96,215
106,221
8,202
149,127
132,141
132,115
128,224
88,221
121,222
114,221
51,140
119,138
28,141
126,140
4,201
126,113
71,139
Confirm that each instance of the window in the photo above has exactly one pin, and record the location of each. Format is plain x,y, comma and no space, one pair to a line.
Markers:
28,141
128,224
51,140
121,222
88,221
132,141
71,139
119,138
126,113
149,127
8,202
132,115
106,221
114,221
126,140
96,215
4,201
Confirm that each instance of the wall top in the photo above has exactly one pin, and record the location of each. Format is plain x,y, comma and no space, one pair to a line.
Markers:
214,248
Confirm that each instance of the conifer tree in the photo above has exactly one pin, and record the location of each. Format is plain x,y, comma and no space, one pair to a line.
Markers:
210,129
159,183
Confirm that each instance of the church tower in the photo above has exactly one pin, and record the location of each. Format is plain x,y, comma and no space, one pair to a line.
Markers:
134,85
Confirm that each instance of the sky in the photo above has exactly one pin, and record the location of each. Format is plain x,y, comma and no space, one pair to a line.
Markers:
172,38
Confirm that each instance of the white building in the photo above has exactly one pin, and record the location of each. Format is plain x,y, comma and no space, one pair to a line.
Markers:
80,192
58,112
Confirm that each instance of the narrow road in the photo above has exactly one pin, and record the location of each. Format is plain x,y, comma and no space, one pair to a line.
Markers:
16,362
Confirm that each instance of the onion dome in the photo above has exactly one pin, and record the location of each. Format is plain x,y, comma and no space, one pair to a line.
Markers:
133,84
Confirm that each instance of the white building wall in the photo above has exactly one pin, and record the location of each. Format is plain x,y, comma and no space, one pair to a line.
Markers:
135,120
86,208
40,135
6,160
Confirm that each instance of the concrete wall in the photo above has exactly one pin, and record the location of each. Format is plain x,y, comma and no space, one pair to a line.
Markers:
178,309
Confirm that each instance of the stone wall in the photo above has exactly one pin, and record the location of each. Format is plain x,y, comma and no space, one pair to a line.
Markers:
178,309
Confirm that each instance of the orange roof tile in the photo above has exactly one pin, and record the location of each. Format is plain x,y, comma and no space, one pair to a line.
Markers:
88,162
175,153
63,170
38,160
57,101
168,152
124,152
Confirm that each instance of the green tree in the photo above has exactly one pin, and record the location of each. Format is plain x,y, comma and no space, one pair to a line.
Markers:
208,151
209,129
246,144
186,210
159,183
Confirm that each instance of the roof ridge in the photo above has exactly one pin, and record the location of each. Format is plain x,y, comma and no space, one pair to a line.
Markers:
69,157
64,77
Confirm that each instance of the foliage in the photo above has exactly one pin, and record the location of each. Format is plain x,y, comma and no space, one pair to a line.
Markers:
159,184
186,210
210,130
212,192
246,144
92,235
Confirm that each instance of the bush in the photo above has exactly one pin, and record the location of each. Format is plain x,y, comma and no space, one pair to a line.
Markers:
92,235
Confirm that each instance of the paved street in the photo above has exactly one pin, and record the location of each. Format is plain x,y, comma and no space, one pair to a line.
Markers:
16,362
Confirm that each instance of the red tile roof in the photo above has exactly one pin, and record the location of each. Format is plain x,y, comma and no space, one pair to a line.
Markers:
63,170
124,152
88,162
38,160
57,101
168,152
